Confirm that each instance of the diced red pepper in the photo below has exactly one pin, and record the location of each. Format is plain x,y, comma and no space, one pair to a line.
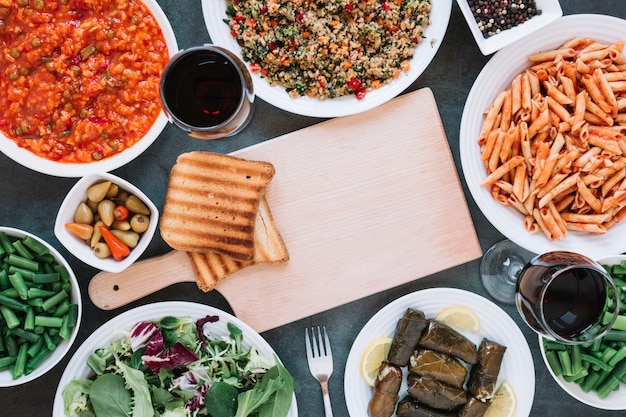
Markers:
354,84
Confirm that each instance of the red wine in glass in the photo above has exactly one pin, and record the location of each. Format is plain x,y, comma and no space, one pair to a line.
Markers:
207,91
564,296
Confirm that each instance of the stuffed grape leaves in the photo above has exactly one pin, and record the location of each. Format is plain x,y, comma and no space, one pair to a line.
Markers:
474,408
484,375
435,394
439,366
442,338
386,388
408,332
410,408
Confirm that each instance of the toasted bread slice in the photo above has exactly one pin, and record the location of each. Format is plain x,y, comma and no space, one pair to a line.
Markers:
211,203
212,267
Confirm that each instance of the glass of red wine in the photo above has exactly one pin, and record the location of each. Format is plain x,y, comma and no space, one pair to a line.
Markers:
208,92
561,295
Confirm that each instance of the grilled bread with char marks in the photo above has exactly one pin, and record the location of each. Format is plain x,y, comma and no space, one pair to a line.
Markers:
212,202
212,267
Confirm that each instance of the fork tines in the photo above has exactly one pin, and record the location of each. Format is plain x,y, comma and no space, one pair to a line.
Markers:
315,345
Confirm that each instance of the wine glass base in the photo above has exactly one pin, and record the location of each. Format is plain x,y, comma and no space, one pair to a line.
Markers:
499,268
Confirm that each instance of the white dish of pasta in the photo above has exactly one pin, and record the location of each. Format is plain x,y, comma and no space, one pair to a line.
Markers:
299,43
548,173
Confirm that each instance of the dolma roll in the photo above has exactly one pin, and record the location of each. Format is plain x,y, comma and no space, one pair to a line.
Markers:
442,338
408,332
435,394
439,366
484,375
386,388
474,408
410,408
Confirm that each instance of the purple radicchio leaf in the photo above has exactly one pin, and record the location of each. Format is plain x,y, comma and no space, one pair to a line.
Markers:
141,334
200,325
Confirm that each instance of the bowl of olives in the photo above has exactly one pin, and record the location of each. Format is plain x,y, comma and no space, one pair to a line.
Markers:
106,222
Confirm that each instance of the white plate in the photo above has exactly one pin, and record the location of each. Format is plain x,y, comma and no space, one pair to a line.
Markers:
550,11
114,328
494,78
615,400
60,169
215,12
495,324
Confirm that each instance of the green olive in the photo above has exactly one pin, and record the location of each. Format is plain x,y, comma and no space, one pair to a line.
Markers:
98,191
97,235
129,238
101,250
121,225
114,189
139,223
105,211
83,214
135,205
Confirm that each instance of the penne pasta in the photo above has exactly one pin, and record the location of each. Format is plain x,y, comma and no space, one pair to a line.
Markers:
554,142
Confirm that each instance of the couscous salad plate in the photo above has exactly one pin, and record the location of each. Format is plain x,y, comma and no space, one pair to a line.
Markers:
332,58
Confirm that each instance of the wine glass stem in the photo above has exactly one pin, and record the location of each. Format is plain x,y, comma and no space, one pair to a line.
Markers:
512,271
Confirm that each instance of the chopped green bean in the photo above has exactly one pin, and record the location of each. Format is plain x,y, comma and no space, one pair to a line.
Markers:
5,242
21,249
26,273
566,362
10,318
20,362
51,302
48,321
6,361
46,278
608,386
29,320
620,369
20,286
34,348
35,246
595,362
22,262
12,303
38,292
25,334
43,353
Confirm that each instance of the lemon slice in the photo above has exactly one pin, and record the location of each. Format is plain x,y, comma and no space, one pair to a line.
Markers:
460,317
374,355
504,402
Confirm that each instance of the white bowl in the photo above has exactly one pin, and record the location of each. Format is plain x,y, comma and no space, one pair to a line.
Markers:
6,379
494,78
59,169
82,251
615,400
550,11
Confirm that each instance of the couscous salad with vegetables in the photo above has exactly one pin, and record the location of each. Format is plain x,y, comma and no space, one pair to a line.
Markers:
328,48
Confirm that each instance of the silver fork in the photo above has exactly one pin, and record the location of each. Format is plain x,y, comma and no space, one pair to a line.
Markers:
320,360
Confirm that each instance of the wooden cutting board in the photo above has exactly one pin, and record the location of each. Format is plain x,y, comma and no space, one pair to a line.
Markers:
364,203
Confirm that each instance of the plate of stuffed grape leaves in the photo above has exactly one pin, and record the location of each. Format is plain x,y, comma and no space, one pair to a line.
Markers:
434,367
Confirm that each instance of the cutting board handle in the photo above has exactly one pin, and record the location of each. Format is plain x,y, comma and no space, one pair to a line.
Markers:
109,290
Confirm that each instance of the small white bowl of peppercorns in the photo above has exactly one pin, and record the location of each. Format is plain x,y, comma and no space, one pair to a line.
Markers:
499,23
106,222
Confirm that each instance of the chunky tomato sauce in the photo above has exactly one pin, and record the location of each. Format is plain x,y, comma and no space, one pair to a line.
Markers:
79,79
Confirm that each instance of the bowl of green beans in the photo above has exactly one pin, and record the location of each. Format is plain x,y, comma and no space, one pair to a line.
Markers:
40,307
595,373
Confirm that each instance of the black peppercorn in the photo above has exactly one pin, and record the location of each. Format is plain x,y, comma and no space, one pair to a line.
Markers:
490,14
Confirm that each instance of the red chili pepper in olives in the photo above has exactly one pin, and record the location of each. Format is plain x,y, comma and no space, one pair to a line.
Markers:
120,213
